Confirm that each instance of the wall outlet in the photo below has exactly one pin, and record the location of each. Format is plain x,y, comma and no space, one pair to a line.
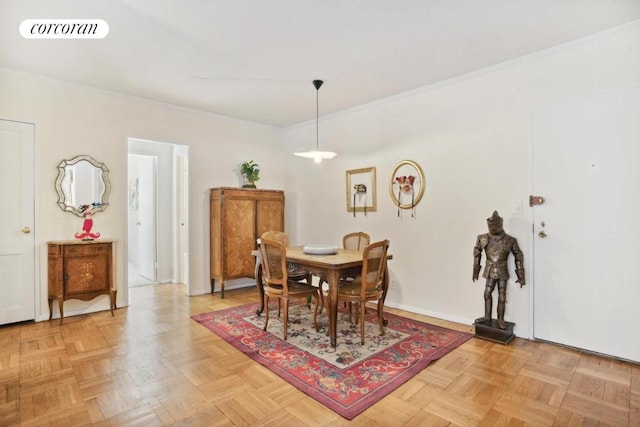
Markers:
517,208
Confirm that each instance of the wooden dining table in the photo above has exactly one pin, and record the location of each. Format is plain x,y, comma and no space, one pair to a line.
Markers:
344,263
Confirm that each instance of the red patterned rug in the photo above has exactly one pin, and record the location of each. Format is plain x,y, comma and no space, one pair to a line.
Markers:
348,378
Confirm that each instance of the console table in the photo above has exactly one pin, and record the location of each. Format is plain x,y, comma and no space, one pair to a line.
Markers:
80,270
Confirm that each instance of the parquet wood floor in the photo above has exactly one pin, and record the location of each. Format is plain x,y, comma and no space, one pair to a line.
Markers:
151,365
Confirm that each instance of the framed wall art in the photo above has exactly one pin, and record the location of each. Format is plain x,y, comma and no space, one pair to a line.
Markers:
407,185
361,190
134,195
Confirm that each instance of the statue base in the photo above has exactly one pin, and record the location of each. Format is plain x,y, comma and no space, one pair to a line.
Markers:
491,332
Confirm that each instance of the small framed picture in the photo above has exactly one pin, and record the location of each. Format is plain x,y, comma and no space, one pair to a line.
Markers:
134,196
361,190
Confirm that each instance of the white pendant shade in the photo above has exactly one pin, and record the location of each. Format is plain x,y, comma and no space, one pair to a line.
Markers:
317,156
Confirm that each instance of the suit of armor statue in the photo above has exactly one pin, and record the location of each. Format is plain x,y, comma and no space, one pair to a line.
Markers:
497,245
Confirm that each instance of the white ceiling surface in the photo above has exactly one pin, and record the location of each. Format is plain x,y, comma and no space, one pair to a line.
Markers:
255,59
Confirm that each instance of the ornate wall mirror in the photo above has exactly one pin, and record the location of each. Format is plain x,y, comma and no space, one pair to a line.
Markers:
82,181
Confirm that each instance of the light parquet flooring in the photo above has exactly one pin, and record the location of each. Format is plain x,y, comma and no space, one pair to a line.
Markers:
151,365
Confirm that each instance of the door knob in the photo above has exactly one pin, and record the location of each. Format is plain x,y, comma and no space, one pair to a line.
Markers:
26,230
542,234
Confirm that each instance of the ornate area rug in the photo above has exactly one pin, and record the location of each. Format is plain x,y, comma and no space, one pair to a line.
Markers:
348,378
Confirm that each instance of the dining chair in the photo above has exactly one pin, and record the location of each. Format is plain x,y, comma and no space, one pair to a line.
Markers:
278,285
294,273
355,241
368,286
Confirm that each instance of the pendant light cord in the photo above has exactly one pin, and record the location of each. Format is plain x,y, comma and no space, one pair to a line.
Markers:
317,84
317,118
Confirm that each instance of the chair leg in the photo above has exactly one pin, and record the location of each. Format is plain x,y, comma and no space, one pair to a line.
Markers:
361,312
354,307
315,311
321,296
381,316
356,316
266,312
286,317
321,282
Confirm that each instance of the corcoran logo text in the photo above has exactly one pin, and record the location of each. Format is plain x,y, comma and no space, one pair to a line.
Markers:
64,29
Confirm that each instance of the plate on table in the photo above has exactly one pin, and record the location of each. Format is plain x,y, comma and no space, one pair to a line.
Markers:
319,249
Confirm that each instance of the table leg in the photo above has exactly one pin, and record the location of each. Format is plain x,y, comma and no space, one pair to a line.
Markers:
334,281
259,285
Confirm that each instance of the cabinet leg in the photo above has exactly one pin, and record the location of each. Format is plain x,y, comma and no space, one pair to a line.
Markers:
112,295
213,287
60,303
50,308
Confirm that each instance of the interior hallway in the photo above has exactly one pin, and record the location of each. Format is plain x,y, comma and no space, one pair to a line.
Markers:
135,279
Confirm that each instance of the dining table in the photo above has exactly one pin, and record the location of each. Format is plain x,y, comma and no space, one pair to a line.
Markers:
332,267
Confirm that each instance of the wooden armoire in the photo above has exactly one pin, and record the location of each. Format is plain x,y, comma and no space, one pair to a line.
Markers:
238,217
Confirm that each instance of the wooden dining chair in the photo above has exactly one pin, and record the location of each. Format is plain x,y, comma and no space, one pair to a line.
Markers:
355,241
368,286
278,285
294,273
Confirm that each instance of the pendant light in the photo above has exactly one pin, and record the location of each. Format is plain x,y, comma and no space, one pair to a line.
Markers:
316,154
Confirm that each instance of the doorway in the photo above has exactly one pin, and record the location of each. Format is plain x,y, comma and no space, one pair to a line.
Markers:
157,248
143,207
587,233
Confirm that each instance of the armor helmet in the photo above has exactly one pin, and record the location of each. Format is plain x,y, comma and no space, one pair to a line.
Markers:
494,219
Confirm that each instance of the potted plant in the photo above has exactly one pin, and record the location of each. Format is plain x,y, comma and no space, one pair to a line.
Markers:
251,173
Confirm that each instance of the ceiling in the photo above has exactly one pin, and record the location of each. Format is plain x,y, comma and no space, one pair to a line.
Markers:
255,59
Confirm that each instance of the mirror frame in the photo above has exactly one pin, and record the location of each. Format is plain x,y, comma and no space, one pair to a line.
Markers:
105,179
412,168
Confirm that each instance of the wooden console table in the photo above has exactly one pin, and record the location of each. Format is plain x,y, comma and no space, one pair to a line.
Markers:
80,270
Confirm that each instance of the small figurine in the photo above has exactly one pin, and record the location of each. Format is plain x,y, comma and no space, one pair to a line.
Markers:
405,185
87,225
359,190
497,245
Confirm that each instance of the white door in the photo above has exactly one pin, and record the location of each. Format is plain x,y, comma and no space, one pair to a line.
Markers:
147,251
586,157
17,242
183,214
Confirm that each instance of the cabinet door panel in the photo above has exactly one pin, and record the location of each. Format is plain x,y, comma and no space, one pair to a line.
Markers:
270,216
239,237
86,274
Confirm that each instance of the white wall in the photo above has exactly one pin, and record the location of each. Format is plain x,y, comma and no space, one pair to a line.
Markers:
71,120
471,135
